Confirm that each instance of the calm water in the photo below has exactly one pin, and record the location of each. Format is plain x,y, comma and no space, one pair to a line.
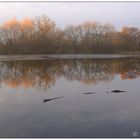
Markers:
45,98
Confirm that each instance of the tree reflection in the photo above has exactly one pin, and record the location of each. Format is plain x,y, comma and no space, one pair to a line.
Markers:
43,74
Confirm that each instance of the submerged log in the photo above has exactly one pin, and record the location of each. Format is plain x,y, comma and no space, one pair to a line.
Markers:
51,99
89,93
117,91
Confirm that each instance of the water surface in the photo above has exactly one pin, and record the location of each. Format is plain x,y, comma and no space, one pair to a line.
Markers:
45,98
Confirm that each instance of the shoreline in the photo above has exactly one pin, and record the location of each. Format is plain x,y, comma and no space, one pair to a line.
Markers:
65,56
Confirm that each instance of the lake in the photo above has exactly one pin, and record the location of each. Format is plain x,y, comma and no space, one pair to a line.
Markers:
70,97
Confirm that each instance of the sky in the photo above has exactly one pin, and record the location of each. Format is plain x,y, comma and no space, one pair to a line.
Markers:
66,13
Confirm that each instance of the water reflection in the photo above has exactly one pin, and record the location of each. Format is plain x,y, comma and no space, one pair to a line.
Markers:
77,104
43,74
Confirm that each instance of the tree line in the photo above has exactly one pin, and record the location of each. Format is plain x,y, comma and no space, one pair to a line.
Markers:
42,36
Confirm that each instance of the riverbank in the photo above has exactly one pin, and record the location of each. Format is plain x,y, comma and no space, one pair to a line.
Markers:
65,56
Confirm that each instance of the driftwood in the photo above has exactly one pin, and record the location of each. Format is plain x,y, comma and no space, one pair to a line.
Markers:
51,99
117,91
89,93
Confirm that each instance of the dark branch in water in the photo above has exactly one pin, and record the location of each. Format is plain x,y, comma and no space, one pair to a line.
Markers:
51,99
117,91
89,93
